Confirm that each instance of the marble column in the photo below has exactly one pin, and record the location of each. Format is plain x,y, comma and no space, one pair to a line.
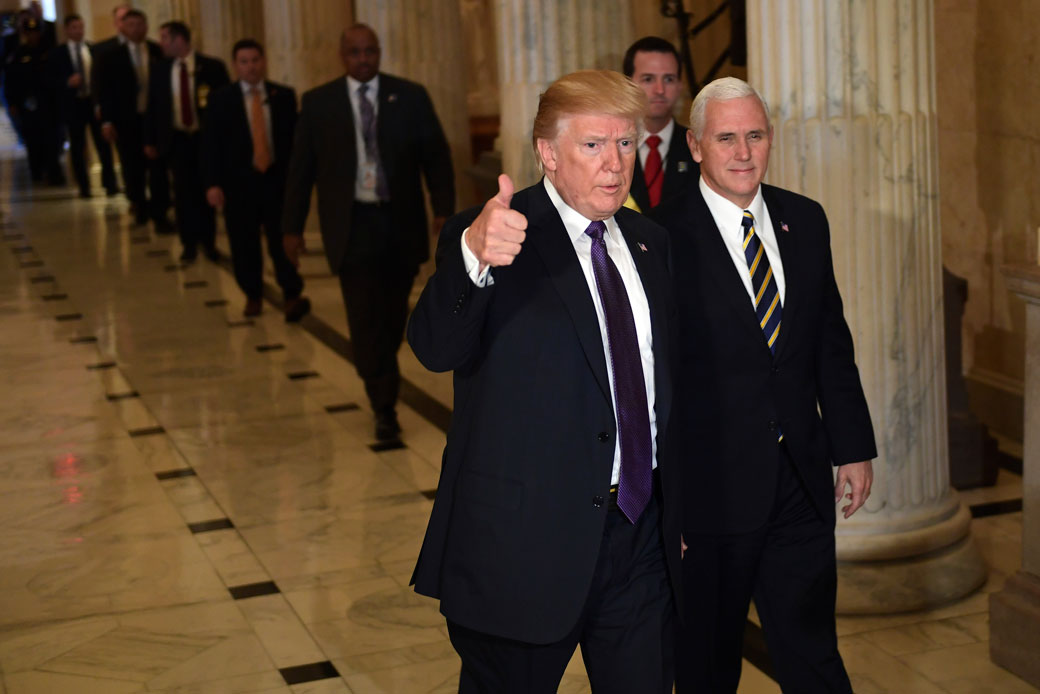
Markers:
302,40
539,42
421,40
1014,612
223,23
161,11
851,90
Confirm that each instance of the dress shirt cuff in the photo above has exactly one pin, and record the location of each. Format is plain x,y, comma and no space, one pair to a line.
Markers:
469,259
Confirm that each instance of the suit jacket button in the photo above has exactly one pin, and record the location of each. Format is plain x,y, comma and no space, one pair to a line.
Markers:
772,425
603,436
774,371
597,501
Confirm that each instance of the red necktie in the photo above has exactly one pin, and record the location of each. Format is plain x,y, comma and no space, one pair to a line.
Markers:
652,171
187,119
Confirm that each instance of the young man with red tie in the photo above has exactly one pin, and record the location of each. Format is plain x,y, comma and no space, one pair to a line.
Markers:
664,166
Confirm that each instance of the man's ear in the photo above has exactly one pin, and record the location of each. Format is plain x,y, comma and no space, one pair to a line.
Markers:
547,153
695,147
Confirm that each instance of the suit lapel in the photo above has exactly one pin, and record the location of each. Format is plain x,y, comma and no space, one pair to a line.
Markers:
644,257
384,122
549,238
677,168
718,264
788,244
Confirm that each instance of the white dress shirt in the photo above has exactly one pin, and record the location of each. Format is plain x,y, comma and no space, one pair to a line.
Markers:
78,49
365,181
665,134
175,80
728,218
247,96
618,251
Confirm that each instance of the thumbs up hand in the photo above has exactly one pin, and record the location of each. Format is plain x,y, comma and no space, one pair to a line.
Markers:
497,233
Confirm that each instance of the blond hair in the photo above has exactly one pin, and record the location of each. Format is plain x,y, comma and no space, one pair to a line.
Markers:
587,92
722,89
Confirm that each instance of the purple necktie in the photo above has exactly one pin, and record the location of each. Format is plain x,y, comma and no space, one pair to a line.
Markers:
368,133
635,484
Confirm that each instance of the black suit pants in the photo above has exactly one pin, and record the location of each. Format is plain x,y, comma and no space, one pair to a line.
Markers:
77,121
41,134
255,202
376,284
196,220
625,631
140,173
790,568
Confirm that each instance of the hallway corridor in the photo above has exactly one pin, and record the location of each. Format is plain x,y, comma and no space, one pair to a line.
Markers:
192,503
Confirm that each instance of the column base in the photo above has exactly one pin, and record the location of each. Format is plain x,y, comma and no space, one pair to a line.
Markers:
910,583
1014,627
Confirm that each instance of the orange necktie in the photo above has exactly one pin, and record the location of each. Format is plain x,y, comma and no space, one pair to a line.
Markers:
261,151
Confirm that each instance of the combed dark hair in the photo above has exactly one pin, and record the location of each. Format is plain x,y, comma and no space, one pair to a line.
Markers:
245,44
648,44
70,18
134,12
176,28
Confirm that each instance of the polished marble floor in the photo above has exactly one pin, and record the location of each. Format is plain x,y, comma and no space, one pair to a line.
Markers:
190,503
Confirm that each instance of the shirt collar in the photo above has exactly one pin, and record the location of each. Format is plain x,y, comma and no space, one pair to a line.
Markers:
726,213
188,60
373,87
247,88
573,221
664,133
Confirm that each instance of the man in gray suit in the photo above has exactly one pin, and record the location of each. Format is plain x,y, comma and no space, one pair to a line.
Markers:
366,140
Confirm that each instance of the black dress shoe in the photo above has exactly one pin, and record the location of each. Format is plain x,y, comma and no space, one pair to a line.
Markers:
387,428
111,192
297,308
212,254
85,194
188,257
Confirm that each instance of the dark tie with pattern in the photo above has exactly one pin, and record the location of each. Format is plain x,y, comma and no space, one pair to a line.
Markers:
635,484
767,295
77,67
368,134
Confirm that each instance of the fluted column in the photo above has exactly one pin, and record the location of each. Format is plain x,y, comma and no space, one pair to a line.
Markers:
224,23
303,40
160,11
421,40
851,90
539,42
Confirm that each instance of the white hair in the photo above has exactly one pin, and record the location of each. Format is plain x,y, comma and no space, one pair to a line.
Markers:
722,89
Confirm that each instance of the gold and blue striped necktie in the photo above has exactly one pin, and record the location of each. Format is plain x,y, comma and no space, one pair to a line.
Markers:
768,306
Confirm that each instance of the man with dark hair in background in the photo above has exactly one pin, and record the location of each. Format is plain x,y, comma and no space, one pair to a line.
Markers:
123,71
71,64
366,141
664,166
247,143
177,106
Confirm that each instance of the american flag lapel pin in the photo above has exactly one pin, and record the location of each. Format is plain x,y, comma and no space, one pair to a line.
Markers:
783,226
642,246
392,98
